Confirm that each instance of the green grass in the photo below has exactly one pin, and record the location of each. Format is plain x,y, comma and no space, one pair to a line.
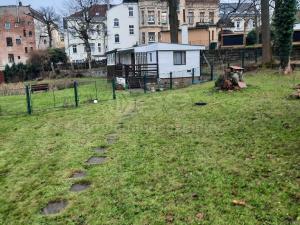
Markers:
172,160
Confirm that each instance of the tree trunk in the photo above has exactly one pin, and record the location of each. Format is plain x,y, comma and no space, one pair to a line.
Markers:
266,32
173,20
89,54
49,35
256,26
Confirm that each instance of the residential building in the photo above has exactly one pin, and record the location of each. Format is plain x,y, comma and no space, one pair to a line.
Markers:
75,47
123,25
239,18
21,32
154,16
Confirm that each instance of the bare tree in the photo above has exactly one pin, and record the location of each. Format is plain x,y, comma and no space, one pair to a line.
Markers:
86,22
51,19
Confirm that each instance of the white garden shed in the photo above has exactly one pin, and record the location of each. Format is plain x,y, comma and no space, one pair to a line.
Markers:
179,59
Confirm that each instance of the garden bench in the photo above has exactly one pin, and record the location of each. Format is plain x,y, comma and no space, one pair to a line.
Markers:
39,87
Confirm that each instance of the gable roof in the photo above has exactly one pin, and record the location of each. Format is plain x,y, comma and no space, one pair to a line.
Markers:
94,11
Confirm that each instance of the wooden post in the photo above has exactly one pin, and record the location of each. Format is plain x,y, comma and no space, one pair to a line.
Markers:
171,80
193,75
28,100
76,93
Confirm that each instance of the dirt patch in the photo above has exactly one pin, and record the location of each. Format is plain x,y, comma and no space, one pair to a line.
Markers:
100,150
55,207
80,186
78,174
94,160
112,138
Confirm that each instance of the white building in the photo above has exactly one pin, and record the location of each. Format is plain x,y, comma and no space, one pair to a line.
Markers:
123,25
239,17
74,46
180,59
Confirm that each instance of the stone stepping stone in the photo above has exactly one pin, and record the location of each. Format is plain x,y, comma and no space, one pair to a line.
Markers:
95,160
78,174
100,150
80,186
55,207
112,138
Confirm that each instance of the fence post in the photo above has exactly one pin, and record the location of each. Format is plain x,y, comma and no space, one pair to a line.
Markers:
256,55
114,87
28,100
145,83
193,75
243,58
212,72
76,93
171,80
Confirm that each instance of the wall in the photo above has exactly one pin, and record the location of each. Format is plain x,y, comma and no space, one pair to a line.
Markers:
166,64
126,39
9,14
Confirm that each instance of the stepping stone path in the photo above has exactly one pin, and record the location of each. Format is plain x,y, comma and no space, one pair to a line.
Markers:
80,186
78,174
100,150
112,138
95,160
54,207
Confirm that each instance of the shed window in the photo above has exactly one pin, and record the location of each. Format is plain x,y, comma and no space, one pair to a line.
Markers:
9,42
179,57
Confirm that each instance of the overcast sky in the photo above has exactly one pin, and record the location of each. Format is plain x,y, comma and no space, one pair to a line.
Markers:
57,4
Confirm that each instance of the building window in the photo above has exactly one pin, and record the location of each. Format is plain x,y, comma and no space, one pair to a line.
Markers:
74,48
24,33
7,26
202,16
19,57
30,33
183,15
159,36
18,41
26,50
151,37
212,35
143,17
117,38
131,29
151,17
99,47
211,17
130,11
31,49
11,58
191,18
143,37
238,24
164,18
116,22
9,42
179,57
45,42
92,46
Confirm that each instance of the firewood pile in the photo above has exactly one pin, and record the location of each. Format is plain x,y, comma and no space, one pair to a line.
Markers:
232,79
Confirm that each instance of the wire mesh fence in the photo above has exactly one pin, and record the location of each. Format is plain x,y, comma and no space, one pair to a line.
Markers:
43,97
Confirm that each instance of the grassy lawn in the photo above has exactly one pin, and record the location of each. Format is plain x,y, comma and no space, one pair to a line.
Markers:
173,162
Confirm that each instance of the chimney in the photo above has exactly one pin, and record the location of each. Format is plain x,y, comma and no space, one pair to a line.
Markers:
20,3
184,34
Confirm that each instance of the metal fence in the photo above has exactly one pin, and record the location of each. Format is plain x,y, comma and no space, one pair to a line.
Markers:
69,95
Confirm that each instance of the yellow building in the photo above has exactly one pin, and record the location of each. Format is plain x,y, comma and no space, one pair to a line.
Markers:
154,16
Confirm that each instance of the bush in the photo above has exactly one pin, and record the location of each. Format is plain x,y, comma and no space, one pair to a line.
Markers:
20,72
